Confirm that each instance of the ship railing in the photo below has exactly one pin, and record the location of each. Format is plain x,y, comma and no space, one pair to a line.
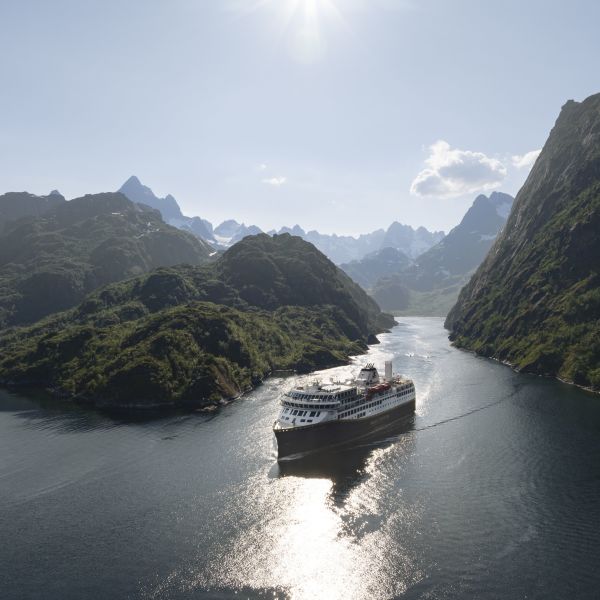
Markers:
316,405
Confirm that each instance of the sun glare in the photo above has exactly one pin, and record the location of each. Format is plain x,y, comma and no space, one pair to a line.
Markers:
304,25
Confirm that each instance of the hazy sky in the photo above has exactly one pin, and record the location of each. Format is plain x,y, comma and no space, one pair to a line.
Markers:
340,115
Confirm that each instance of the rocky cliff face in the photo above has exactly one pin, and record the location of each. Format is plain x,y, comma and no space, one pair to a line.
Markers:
535,300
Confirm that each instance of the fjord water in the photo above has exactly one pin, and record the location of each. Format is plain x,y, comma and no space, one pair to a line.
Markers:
491,491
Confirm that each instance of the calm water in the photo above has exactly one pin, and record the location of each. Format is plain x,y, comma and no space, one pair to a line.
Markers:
493,491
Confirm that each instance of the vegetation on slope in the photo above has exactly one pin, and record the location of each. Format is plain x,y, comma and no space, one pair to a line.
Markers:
14,205
191,335
49,262
535,301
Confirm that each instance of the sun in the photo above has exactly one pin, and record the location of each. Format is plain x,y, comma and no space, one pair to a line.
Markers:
304,25
307,25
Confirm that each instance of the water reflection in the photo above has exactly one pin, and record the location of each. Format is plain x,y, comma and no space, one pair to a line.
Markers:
345,466
40,411
322,528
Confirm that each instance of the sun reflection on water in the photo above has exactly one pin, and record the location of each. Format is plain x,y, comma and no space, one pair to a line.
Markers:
325,537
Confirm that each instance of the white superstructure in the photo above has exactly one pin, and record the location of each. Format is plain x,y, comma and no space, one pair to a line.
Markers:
363,398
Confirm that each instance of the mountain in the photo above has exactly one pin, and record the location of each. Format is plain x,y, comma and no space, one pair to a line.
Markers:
535,300
51,261
168,208
200,228
15,205
227,229
221,237
390,293
412,242
429,285
463,249
375,265
340,249
343,249
230,232
245,231
142,194
192,335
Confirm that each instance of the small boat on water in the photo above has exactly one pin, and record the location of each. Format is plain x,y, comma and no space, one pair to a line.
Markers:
318,416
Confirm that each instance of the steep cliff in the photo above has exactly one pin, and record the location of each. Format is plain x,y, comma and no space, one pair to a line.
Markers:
535,300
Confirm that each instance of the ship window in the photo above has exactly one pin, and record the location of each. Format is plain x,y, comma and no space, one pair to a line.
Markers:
295,412
313,413
302,420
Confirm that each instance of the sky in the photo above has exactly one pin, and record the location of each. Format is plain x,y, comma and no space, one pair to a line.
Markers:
338,115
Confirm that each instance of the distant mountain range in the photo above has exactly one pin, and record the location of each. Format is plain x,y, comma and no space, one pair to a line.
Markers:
535,300
398,265
441,271
338,248
344,248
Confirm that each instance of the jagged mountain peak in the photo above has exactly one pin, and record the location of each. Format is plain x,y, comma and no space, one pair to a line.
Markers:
136,191
133,180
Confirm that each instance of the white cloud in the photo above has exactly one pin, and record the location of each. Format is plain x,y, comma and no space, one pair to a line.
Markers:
452,172
262,166
525,160
276,181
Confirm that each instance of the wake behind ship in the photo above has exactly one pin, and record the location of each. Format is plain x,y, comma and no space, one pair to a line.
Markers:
320,416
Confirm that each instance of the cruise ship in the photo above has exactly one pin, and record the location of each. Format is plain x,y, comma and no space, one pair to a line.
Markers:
318,416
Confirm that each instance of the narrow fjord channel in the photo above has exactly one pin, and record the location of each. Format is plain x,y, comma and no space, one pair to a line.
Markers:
491,491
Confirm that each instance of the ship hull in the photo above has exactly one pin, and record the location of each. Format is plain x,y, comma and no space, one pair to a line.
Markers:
299,441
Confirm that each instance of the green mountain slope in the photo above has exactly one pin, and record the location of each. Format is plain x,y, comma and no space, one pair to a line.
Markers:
15,205
535,300
51,261
192,335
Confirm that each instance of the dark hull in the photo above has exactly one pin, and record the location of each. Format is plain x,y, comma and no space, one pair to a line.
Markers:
296,442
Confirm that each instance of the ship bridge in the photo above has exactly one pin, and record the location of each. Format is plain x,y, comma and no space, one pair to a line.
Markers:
328,397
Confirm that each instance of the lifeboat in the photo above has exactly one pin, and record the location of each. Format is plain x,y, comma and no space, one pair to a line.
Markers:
377,389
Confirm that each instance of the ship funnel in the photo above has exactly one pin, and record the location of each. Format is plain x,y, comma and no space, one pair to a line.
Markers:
388,370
